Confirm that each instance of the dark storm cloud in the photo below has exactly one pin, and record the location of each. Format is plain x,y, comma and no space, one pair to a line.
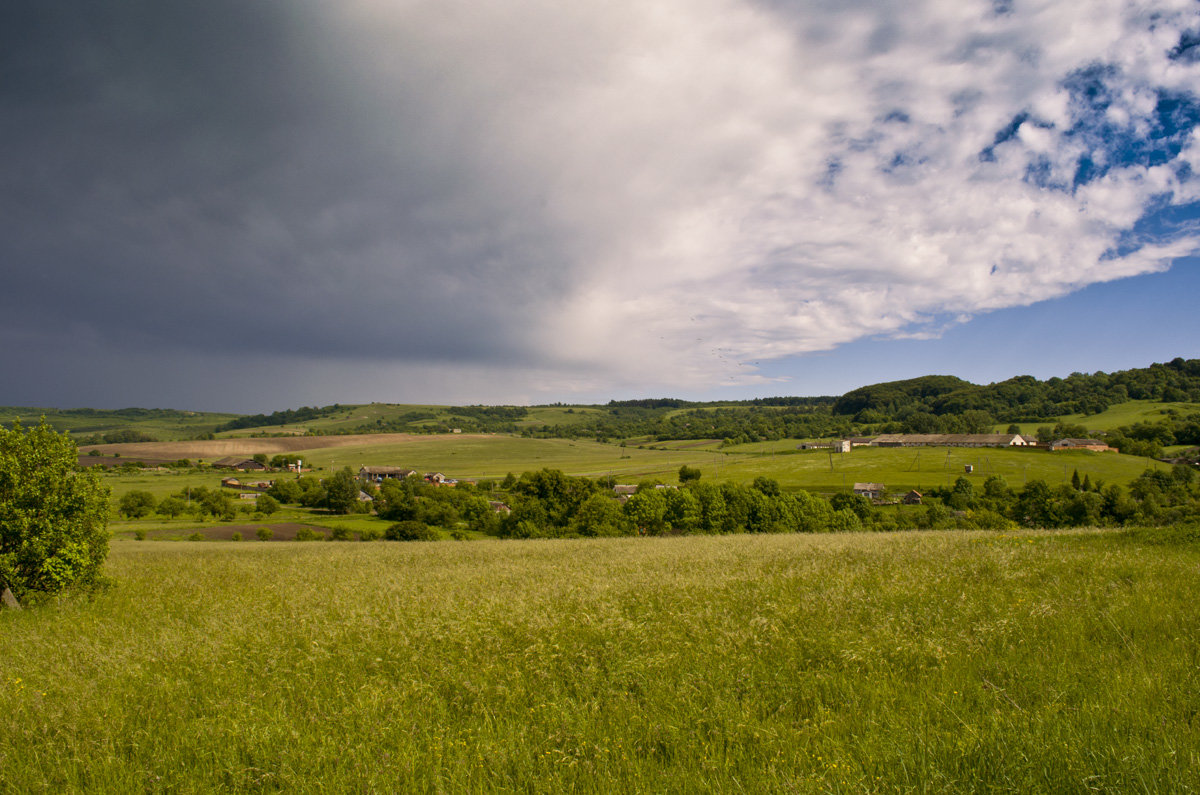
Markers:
179,169
532,199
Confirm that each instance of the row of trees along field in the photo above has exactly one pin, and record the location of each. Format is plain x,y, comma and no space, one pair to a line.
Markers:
547,504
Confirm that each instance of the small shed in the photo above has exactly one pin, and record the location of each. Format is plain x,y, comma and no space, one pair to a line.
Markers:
912,498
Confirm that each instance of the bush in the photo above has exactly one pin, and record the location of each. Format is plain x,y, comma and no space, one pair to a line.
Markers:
306,533
53,518
370,534
196,537
410,530
140,535
236,536
339,534
264,533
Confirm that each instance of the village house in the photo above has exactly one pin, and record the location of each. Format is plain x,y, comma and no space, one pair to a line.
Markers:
914,497
872,491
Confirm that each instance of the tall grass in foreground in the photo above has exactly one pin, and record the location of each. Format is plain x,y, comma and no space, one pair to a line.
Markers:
923,662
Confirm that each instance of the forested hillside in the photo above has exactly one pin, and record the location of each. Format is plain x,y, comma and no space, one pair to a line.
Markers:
929,404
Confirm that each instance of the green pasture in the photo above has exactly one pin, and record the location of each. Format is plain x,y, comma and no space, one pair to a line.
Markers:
918,662
494,456
1129,413
919,468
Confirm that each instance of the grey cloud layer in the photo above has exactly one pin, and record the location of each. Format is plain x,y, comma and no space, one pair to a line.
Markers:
550,187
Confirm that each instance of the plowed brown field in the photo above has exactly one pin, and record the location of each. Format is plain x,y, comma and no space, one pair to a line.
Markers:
219,448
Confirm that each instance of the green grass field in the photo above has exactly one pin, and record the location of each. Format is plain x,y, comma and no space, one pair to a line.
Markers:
922,662
920,468
1127,413
493,456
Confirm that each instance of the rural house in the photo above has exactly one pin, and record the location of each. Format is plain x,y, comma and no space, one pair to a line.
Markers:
872,491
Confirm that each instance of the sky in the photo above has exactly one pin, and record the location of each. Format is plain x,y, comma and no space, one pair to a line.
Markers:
236,206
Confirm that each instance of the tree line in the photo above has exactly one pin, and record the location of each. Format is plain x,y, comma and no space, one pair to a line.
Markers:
550,504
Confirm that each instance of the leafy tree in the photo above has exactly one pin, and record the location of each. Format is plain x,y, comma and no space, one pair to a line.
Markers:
688,474
260,458
53,518
341,491
600,515
647,511
286,491
766,485
171,506
267,504
136,504
683,510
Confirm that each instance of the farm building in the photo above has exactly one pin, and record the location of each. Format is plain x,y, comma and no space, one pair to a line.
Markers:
950,440
914,497
1080,444
872,491
231,483
837,445
379,474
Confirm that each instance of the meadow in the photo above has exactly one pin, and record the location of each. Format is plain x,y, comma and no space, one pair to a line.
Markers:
931,662
492,456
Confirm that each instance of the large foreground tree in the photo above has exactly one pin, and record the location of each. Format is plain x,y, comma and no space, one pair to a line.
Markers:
53,517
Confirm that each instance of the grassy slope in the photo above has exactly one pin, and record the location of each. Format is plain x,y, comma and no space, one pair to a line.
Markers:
943,662
1129,413
921,468
355,416
166,428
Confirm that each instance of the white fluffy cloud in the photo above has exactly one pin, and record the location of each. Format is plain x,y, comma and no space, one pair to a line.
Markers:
723,181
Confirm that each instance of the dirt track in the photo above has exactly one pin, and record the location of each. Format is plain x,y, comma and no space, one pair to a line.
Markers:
219,448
